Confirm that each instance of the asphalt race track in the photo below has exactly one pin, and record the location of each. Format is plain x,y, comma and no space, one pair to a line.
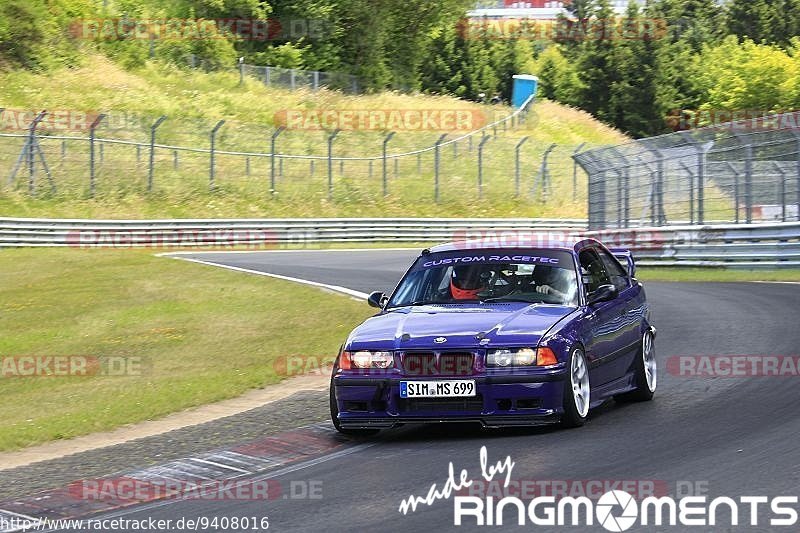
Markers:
732,436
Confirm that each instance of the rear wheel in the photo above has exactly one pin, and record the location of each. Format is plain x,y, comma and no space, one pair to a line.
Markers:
577,391
646,372
356,432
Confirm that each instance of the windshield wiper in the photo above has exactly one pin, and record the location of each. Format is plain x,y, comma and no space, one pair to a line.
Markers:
419,302
508,299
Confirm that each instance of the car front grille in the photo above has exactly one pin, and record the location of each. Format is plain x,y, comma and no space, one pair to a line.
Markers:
436,405
438,363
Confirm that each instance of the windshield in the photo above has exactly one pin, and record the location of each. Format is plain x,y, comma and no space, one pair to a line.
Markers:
532,276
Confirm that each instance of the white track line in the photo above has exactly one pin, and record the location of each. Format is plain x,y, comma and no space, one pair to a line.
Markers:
31,520
266,475
336,288
289,251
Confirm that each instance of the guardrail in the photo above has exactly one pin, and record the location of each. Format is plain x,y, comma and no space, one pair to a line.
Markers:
261,233
725,245
722,245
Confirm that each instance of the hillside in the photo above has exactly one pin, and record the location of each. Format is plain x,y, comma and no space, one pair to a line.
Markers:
194,101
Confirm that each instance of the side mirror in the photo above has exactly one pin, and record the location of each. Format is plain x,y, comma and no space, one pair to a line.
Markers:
377,299
604,293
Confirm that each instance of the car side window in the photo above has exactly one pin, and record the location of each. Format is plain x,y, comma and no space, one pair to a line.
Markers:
618,275
595,270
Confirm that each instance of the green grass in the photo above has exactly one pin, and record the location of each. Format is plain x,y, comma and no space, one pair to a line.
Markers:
194,101
205,334
716,274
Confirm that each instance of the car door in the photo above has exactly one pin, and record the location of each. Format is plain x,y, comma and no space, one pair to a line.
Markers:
631,301
603,321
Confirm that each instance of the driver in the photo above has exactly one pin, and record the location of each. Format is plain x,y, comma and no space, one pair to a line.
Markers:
549,280
467,281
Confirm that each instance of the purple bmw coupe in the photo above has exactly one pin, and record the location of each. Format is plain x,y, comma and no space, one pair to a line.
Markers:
499,336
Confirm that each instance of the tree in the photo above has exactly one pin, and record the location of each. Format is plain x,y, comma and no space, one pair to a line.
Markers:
597,70
633,99
558,77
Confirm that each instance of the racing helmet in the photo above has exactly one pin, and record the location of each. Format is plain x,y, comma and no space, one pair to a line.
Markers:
466,282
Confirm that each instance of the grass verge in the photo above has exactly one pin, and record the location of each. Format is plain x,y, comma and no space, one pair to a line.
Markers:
204,334
716,274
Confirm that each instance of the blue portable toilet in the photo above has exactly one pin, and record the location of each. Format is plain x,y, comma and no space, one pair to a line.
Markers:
525,86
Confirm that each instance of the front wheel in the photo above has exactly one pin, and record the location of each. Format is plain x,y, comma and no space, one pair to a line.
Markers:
355,432
646,372
577,391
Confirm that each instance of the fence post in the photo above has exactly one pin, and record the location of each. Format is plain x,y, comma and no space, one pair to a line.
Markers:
480,166
627,196
748,178
91,152
781,190
658,214
701,193
274,138
517,165
436,167
212,160
691,191
575,172
174,159
241,71
32,152
385,181
331,137
620,199
151,169
544,171
735,189
315,82
797,189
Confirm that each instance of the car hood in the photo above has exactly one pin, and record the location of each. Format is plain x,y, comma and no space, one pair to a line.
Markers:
461,325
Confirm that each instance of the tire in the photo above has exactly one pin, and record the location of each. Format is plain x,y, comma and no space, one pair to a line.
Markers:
577,391
646,372
354,432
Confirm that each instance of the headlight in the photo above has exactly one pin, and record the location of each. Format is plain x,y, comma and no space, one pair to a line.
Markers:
366,359
521,357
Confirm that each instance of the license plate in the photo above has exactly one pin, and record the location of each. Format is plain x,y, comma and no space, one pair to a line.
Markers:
437,389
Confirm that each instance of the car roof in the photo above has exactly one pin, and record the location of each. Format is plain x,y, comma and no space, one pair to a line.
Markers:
569,243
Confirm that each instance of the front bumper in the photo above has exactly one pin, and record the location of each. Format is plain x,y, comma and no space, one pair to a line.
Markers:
500,401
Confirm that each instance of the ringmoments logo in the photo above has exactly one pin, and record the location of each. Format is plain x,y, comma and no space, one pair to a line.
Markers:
615,510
